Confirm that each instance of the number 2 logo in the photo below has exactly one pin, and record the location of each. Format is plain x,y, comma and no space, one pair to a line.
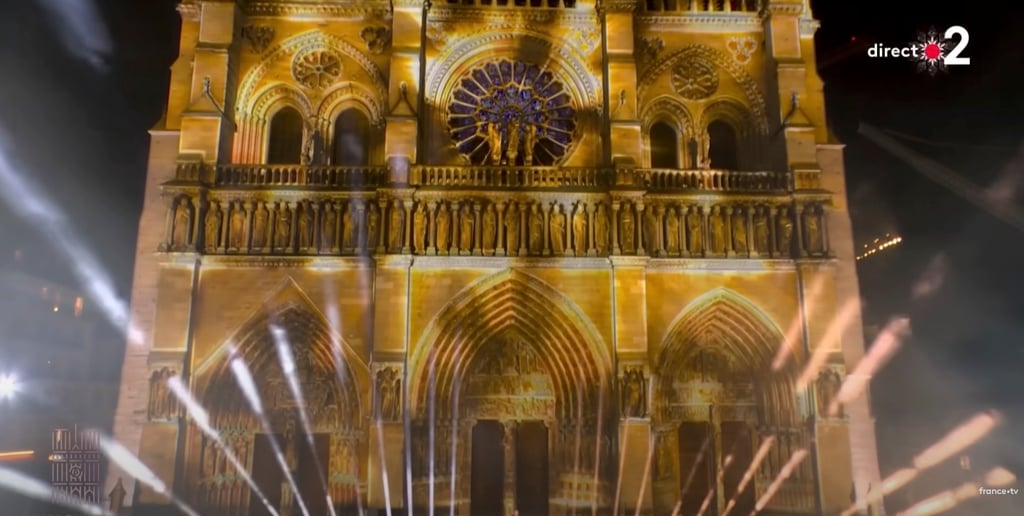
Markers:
954,58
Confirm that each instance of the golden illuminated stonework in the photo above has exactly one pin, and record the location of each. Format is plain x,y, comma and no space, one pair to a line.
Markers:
551,257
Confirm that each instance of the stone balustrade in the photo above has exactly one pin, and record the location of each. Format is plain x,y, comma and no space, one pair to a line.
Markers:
700,6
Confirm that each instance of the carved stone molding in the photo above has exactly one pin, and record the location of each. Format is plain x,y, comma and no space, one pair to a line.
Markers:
258,37
349,10
742,48
377,38
648,49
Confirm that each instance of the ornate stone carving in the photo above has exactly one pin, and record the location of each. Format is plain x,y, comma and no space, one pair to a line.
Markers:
211,232
761,231
579,229
258,37
695,79
512,229
438,32
717,227
181,233
499,105
672,231
814,241
389,394
377,39
419,229
634,392
585,40
784,232
741,48
627,228
557,228
648,49
829,383
316,69
162,403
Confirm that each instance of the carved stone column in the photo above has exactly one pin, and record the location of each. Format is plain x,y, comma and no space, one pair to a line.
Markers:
616,205
641,236
383,221
477,230
499,246
523,221
730,248
546,211
431,228
456,229
407,227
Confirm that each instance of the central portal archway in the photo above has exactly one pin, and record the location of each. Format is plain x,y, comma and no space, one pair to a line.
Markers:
511,405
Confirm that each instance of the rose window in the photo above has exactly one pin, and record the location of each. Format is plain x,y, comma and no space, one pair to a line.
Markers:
316,70
511,113
695,79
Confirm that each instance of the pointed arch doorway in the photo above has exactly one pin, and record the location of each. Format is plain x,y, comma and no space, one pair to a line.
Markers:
509,396
324,464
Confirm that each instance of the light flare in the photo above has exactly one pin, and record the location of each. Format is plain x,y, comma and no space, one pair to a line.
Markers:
793,333
885,346
202,420
824,347
20,483
131,465
784,473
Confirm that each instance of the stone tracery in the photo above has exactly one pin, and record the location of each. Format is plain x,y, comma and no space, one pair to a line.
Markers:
511,112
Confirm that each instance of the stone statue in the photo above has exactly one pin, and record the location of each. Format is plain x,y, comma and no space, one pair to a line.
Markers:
761,231
444,228
529,141
705,145
557,229
466,226
512,230
260,221
829,385
717,226
389,386
627,228
313,152
695,231
347,228
305,225
213,222
372,228
419,228
652,231
236,229
283,231
784,231
739,231
634,393
812,227
513,142
180,235
328,235
396,229
116,496
291,455
672,231
490,228
494,141
536,230
579,229
601,229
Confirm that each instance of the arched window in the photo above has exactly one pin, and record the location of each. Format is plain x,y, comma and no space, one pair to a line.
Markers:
664,146
723,151
284,146
351,145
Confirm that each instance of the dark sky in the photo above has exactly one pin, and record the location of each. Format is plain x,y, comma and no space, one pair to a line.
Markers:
85,135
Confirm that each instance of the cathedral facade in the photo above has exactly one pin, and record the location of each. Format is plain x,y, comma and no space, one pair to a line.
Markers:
487,256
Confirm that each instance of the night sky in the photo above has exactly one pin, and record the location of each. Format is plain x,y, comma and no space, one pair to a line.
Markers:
84,136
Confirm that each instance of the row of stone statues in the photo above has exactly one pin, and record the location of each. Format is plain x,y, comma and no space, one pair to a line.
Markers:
485,228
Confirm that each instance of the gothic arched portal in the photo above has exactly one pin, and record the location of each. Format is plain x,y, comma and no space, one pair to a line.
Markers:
330,404
718,398
519,377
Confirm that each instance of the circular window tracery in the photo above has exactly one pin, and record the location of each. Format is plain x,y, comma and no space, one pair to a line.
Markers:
511,112
316,70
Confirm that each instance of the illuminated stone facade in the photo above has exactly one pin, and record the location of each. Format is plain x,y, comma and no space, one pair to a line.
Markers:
528,255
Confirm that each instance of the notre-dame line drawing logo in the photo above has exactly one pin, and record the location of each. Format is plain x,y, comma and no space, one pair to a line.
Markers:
75,464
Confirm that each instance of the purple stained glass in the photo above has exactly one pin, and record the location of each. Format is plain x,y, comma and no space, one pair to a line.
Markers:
516,96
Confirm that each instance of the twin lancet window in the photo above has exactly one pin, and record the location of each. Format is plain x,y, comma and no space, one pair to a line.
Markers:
669,150
349,141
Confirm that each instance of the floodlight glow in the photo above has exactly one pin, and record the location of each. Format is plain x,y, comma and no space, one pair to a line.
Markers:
8,386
